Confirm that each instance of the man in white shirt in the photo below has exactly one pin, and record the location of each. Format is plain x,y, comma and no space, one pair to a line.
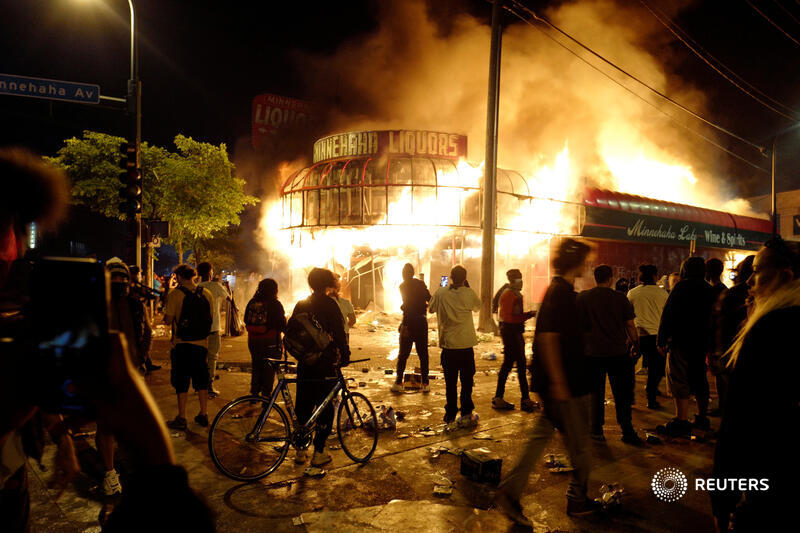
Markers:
220,294
348,313
454,306
648,302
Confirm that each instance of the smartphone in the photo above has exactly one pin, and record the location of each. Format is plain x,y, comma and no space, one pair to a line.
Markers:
445,280
68,324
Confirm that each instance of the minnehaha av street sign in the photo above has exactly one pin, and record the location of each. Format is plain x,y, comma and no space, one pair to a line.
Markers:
84,93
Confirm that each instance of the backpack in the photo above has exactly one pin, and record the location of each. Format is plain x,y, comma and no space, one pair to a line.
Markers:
194,324
255,317
304,339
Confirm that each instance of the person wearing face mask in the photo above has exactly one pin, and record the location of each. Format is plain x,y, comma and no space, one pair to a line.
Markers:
512,326
763,397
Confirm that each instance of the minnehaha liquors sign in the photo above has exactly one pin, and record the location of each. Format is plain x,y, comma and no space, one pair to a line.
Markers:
393,142
620,225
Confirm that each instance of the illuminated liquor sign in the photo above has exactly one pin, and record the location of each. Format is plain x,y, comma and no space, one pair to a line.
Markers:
624,226
391,142
271,112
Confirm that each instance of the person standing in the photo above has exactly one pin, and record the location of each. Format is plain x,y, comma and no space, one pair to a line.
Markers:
730,317
684,332
512,326
220,294
561,377
648,300
714,270
145,297
607,319
413,327
189,314
264,320
312,386
348,313
454,306
761,399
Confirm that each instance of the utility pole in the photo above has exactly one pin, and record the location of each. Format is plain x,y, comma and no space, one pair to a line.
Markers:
485,321
134,108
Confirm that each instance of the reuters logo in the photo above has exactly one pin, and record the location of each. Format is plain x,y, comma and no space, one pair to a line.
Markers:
669,484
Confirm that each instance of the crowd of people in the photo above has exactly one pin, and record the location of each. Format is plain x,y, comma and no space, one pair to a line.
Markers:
681,328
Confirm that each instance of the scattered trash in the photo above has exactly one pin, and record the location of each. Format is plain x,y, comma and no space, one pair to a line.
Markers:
412,380
485,337
334,446
443,486
298,521
234,369
372,329
482,436
388,420
365,369
557,463
652,438
481,465
489,356
428,433
388,371
436,451
362,383
611,495
313,471
425,414
401,415
403,436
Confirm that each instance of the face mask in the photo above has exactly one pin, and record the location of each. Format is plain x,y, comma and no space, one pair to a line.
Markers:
119,290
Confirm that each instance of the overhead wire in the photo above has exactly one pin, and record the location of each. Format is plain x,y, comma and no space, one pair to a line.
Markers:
704,55
786,11
762,150
775,24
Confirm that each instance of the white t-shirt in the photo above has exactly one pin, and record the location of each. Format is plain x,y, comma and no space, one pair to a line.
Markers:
220,295
453,308
648,303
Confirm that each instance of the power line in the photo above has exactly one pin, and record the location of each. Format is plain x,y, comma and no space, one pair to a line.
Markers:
795,41
631,76
786,11
640,97
682,36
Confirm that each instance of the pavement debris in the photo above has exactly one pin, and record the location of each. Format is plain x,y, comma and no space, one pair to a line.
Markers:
443,486
298,521
482,436
652,438
611,495
489,356
313,471
558,463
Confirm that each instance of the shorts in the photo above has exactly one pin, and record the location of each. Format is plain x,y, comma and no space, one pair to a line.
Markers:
189,365
686,373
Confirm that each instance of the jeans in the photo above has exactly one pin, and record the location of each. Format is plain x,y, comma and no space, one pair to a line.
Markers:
417,334
572,419
513,353
620,371
312,388
656,365
214,343
457,363
262,376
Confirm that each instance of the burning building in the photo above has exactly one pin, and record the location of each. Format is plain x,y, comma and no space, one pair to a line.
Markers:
374,200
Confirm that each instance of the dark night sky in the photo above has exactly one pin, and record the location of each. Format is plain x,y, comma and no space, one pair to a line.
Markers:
202,62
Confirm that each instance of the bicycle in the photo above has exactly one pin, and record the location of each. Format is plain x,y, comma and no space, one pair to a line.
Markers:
251,435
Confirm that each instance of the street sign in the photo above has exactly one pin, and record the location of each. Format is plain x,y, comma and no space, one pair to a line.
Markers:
67,91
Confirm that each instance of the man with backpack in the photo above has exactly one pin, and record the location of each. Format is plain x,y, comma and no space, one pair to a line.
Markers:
220,294
188,312
315,337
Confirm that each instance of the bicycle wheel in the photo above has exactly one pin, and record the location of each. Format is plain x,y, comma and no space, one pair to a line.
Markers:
357,427
236,450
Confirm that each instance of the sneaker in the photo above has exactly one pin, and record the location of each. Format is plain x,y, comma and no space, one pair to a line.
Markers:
111,484
212,393
397,387
675,428
301,457
500,403
202,420
702,422
177,423
632,438
321,458
512,509
468,421
426,388
599,437
583,506
528,405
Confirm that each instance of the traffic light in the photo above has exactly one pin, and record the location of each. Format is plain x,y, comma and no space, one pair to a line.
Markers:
130,178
